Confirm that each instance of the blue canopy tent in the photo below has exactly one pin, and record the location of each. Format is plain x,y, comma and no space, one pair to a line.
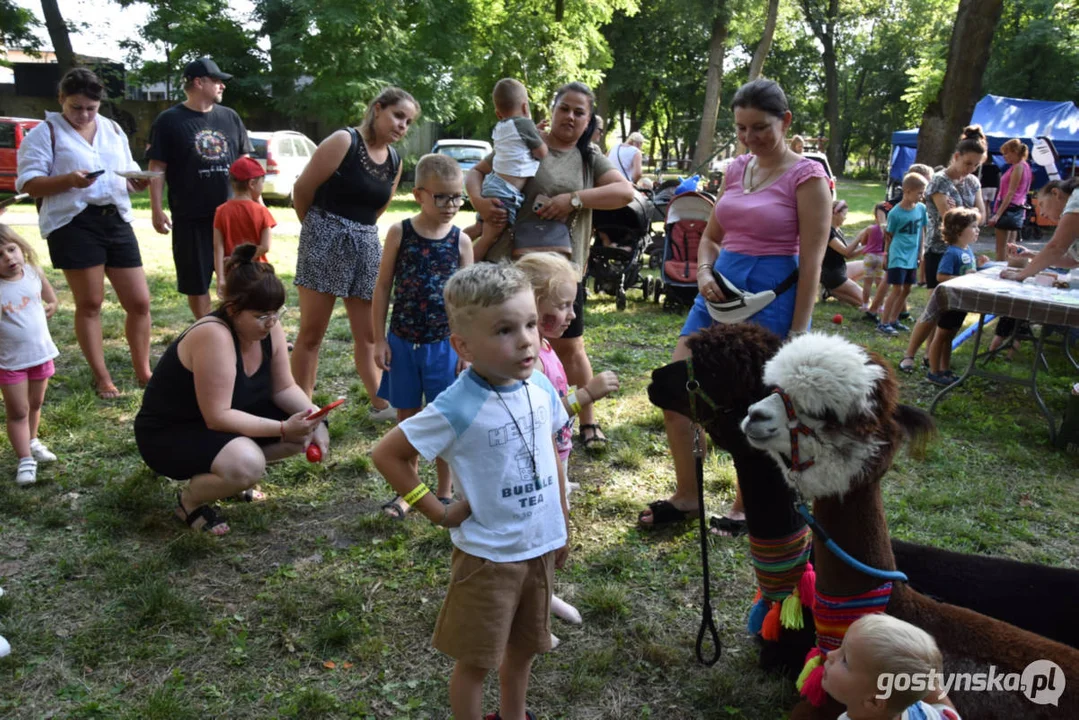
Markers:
1003,118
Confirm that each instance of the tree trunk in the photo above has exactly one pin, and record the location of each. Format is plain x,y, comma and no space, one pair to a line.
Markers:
968,54
823,25
603,107
756,66
713,85
61,42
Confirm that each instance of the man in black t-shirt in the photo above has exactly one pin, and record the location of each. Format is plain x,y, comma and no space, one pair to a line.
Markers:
194,143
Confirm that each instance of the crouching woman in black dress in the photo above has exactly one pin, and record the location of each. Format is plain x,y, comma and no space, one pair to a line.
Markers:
222,402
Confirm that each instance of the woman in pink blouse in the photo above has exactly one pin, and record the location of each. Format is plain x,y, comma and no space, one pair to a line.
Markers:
772,220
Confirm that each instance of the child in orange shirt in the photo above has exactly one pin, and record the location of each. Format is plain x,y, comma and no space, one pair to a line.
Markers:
243,219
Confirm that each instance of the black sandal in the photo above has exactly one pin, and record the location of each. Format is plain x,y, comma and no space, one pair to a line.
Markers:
664,514
210,517
396,512
728,527
594,442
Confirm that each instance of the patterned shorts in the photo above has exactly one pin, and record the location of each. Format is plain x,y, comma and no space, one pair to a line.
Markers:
338,256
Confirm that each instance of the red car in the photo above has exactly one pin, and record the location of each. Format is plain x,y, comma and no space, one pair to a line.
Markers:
12,131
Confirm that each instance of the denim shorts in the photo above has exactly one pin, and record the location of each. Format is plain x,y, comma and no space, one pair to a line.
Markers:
418,372
512,198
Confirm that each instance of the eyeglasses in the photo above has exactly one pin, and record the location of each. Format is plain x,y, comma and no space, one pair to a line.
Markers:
444,201
269,319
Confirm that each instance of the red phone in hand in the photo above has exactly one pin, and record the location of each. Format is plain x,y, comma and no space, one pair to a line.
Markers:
325,409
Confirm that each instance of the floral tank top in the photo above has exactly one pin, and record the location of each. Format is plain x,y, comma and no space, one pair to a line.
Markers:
423,268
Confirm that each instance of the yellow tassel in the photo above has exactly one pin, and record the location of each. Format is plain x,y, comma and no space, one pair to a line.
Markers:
791,614
810,665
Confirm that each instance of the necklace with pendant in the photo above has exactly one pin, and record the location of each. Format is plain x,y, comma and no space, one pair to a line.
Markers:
532,421
751,186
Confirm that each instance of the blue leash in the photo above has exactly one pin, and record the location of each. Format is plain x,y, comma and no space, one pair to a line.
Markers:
842,554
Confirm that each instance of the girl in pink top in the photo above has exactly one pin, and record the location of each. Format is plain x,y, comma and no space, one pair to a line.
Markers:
772,219
554,280
1008,214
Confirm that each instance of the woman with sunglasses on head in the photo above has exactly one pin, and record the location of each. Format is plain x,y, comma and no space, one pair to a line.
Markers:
339,197
222,402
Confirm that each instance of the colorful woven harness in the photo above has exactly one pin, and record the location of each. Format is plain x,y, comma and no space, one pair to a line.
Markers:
785,580
833,615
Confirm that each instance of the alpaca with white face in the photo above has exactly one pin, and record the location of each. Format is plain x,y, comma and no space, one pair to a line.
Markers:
821,424
833,427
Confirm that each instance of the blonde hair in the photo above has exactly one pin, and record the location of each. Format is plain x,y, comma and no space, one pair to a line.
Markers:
923,170
7,235
508,95
914,181
546,271
797,139
635,138
1015,145
895,646
441,167
479,286
955,221
389,97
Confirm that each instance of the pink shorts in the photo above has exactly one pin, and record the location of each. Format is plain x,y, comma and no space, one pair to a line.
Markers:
44,371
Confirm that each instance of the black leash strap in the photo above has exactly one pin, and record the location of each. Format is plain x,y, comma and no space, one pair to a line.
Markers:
708,622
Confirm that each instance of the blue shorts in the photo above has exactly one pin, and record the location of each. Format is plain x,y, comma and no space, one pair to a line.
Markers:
902,276
754,274
512,198
417,372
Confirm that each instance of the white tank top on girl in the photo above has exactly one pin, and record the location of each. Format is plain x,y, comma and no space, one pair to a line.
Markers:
24,332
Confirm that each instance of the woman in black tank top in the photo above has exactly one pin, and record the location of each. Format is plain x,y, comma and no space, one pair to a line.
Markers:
339,197
222,402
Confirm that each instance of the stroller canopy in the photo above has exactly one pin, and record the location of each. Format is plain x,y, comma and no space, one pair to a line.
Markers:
633,217
689,206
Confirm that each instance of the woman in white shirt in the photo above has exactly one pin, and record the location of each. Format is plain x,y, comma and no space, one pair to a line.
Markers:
71,162
627,157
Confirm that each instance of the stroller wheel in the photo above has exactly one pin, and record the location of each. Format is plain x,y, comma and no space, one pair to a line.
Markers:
620,299
646,288
657,290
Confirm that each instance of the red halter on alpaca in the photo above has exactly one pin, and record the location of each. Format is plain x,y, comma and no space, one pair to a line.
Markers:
797,427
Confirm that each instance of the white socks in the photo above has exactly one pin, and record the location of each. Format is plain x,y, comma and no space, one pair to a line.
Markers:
563,610
5,648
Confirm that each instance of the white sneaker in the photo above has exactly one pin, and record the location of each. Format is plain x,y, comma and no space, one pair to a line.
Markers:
27,472
555,642
5,648
565,611
386,414
40,452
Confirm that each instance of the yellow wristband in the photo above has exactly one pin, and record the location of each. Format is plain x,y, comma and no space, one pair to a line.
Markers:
574,403
417,492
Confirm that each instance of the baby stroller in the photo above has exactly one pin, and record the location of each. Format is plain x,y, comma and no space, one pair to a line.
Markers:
687,216
619,238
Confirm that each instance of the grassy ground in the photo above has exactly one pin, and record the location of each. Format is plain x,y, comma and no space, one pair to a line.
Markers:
315,606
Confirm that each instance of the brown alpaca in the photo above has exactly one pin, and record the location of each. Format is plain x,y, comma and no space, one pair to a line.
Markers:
846,401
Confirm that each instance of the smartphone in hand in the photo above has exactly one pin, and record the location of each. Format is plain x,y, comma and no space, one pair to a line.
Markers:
94,174
540,201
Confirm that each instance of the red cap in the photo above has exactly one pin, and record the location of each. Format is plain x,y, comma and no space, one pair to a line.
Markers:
246,168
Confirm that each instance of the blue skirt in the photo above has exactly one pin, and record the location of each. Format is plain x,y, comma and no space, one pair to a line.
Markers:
752,273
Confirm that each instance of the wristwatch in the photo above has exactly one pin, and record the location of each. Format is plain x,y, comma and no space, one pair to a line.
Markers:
575,201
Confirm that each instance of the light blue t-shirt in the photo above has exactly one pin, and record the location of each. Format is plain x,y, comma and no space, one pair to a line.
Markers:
905,227
490,439
956,261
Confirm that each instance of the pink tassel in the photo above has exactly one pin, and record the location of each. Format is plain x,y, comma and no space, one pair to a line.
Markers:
770,627
807,587
812,689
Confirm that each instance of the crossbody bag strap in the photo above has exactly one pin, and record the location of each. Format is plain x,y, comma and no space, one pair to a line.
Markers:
787,283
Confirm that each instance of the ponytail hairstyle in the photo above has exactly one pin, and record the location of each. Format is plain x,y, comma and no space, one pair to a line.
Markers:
584,143
1015,145
82,81
389,97
7,235
972,141
251,285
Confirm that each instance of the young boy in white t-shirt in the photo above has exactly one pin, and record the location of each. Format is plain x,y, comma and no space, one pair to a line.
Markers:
518,150
496,428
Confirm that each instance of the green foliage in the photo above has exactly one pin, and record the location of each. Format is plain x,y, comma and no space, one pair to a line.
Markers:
1035,51
17,26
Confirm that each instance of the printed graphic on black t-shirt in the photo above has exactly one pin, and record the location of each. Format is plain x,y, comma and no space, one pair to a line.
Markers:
197,149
